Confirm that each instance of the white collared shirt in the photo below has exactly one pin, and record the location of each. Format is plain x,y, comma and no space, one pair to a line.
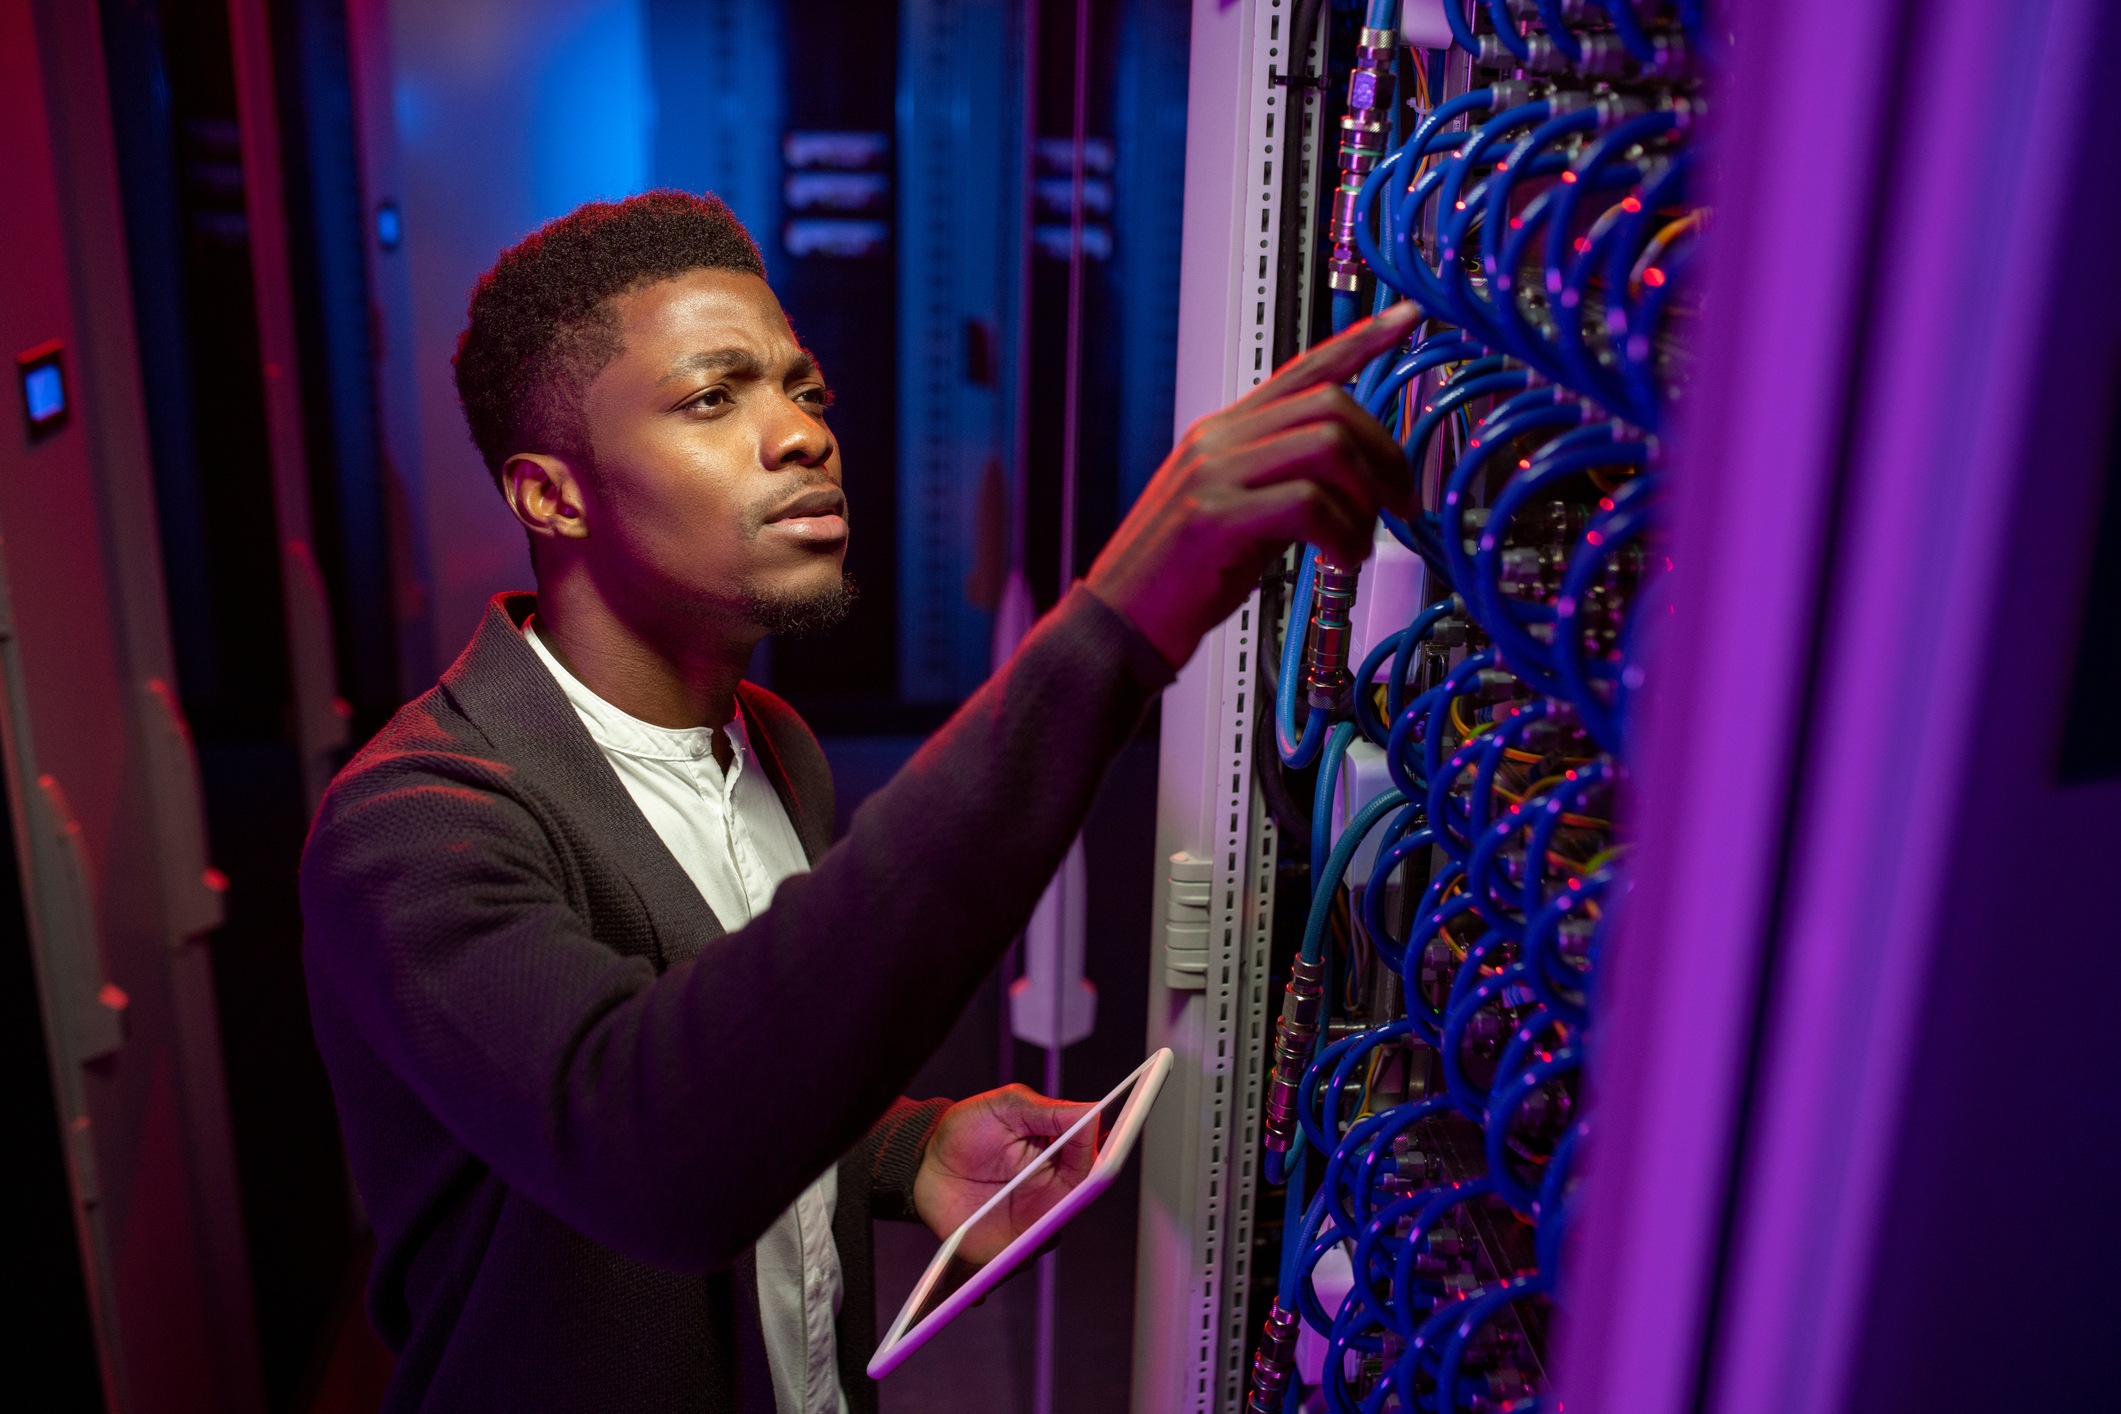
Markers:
733,838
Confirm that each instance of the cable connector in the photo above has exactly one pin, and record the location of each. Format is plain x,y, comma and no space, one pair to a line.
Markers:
1295,1036
1413,1168
1364,130
1326,675
1670,59
1601,55
1494,54
1688,107
1274,1363
1511,93
1494,685
1617,108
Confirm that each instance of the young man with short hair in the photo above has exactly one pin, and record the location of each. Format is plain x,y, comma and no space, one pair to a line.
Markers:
617,1032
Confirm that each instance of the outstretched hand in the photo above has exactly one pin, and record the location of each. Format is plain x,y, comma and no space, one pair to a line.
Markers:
980,1145
1294,459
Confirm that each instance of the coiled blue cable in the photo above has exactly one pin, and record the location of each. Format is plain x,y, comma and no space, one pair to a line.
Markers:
1455,203
1400,647
1336,867
1628,26
1609,531
1495,230
1461,32
1517,951
1534,410
1507,619
1298,749
1557,28
1633,346
1432,353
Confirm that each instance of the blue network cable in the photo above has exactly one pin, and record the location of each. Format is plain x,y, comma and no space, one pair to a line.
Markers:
1299,746
1416,1137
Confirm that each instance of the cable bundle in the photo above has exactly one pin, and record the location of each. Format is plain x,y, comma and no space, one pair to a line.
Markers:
1542,222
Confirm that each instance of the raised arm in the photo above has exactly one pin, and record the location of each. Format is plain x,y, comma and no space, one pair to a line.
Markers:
673,1117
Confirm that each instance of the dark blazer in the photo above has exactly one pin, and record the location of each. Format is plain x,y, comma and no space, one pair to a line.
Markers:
571,1101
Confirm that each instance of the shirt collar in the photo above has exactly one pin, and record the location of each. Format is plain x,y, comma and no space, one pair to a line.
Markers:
619,731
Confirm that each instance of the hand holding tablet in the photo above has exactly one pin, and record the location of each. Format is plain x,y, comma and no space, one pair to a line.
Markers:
1058,1181
981,1145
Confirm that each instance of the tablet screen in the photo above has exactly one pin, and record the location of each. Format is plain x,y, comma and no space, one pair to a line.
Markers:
950,1284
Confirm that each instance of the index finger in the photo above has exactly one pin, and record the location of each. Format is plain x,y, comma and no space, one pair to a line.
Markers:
1339,358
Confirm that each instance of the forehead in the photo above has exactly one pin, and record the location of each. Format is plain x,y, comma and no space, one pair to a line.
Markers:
703,309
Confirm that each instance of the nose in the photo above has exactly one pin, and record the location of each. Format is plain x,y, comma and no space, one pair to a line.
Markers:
794,436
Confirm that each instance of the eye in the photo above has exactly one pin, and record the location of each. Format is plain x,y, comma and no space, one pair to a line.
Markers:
711,400
818,398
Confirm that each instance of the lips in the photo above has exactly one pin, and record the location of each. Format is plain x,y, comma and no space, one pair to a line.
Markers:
815,515
824,501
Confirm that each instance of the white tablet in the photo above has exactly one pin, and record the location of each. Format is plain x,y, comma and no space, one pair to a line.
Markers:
949,1285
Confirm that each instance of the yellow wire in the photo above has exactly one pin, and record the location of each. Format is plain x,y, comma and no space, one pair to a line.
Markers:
1369,1083
1661,242
1466,732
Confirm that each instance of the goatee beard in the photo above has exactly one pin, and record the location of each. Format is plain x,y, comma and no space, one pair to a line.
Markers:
797,614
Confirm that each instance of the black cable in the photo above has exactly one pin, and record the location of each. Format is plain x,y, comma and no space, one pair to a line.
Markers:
1271,580
1288,264
1289,806
1426,531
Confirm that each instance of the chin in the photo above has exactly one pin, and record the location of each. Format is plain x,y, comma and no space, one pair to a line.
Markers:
801,603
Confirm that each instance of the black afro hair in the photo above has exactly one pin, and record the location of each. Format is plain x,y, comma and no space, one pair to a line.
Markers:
541,324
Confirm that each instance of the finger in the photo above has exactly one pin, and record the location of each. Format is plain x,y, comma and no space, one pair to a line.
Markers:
1039,1117
1339,358
1379,455
1080,1153
1324,402
1325,466
1367,450
1272,516
1325,453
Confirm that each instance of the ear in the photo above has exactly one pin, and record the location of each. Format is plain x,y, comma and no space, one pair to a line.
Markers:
546,495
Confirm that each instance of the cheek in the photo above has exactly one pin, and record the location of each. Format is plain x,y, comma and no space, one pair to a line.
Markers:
677,516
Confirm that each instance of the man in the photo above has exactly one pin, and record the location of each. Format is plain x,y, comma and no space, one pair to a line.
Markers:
616,1037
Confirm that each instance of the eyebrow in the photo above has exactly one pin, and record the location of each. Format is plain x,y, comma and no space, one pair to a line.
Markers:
741,363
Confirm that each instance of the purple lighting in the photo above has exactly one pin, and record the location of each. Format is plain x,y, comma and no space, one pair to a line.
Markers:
1824,771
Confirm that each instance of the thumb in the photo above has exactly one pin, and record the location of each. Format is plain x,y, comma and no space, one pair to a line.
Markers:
1037,1116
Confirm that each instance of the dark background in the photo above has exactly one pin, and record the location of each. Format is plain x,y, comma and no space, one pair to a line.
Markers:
184,182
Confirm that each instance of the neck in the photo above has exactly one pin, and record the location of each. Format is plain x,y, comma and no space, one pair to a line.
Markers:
645,667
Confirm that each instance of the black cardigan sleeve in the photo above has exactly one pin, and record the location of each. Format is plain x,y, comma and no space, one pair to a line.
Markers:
892,1151
672,1117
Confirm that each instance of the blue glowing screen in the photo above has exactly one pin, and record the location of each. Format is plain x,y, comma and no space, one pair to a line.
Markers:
44,393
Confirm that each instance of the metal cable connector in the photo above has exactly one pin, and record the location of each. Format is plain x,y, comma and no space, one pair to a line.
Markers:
1295,1036
1275,1362
1326,675
1364,131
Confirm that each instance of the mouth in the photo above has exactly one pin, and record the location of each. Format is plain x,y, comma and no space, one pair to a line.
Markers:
818,516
